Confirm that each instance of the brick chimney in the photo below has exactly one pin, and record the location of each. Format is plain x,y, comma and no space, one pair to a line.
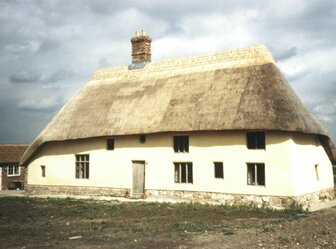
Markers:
141,47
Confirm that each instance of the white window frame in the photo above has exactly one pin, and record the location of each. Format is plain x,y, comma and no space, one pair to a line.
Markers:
178,178
82,169
252,177
12,168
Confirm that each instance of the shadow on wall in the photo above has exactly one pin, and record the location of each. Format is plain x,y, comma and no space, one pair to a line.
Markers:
203,139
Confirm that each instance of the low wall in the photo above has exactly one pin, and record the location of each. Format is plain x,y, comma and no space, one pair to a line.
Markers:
306,200
76,190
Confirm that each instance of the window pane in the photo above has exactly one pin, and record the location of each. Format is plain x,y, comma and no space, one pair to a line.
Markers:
10,170
219,172
251,143
261,140
317,172
190,173
255,140
186,144
16,170
110,144
183,173
181,143
43,170
176,144
87,170
177,172
260,174
250,174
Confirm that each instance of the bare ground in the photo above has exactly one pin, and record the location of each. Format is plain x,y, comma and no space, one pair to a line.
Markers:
69,223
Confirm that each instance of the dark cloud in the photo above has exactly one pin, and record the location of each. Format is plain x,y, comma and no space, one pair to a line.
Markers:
42,77
24,77
49,49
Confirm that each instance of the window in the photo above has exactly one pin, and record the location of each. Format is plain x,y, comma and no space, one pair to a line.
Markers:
317,172
43,172
181,143
82,166
255,140
142,139
110,144
219,171
13,170
183,172
256,174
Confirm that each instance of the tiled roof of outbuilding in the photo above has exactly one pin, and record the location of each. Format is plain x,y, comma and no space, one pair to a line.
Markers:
12,153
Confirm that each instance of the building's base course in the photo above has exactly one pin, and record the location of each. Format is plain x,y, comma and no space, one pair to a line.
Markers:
77,190
306,200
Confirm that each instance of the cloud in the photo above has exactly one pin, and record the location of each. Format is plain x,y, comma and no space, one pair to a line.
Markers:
41,77
42,104
285,54
49,49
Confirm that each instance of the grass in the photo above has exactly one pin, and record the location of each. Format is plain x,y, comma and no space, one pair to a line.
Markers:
112,220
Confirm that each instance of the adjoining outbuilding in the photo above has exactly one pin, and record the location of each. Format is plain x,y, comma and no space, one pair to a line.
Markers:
223,127
12,174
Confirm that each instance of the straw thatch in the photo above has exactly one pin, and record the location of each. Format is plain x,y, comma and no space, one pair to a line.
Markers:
236,90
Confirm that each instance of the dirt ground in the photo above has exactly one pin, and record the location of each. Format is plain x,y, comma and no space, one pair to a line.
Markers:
69,223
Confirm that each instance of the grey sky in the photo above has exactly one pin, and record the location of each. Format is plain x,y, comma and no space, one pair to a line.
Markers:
49,49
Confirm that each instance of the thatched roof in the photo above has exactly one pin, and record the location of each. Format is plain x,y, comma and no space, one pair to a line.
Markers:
240,89
11,153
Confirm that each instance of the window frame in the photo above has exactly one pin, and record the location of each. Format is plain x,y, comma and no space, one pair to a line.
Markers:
182,171
221,172
252,172
181,143
256,140
82,169
13,169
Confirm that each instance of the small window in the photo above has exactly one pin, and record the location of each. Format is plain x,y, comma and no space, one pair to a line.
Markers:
43,171
82,166
317,172
110,144
219,171
255,140
181,143
13,170
183,172
256,174
142,139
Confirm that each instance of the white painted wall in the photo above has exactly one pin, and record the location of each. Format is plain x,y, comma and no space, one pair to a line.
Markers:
289,163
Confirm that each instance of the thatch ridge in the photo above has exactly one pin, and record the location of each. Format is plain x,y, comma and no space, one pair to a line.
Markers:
221,91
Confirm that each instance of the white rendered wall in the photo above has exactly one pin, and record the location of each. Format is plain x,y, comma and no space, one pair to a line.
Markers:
289,163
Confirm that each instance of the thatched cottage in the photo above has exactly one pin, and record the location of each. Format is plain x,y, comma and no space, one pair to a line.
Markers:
222,127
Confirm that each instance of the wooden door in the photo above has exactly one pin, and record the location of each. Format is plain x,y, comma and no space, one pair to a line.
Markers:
138,179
